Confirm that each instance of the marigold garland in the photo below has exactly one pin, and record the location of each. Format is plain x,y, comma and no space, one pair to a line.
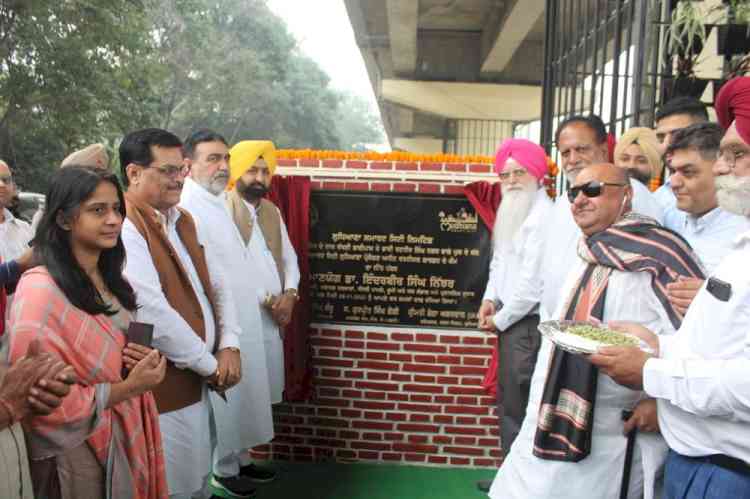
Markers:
388,156
403,156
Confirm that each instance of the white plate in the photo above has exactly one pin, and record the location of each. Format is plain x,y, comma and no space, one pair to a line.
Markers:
555,331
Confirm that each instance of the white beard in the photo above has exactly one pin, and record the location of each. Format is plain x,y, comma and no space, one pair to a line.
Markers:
733,194
514,208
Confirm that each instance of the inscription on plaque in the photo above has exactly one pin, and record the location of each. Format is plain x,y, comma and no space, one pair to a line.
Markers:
397,260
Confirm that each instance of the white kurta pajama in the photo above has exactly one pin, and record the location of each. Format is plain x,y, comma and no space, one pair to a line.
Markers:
186,433
263,266
245,419
525,476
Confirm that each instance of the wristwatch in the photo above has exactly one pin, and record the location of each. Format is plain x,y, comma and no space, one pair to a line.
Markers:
292,292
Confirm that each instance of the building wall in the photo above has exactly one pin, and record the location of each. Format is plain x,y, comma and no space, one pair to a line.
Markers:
394,395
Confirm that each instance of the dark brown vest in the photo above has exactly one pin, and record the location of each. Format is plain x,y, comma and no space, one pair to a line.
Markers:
181,387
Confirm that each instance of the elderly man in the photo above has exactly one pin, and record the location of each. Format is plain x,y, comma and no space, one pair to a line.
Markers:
638,152
272,260
701,375
245,419
15,234
181,291
624,261
521,166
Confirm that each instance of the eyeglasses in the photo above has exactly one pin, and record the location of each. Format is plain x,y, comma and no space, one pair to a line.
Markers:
589,189
519,173
6,179
730,156
171,171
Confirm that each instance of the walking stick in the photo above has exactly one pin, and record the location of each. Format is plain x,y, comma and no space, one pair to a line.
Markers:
628,457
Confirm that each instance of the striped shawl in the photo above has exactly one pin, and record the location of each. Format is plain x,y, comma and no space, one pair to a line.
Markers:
633,244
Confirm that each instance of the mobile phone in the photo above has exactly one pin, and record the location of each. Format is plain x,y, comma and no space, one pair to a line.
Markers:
140,333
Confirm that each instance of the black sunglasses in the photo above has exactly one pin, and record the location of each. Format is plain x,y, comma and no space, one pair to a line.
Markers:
590,189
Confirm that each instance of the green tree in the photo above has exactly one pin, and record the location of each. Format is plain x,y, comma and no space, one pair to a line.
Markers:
64,63
76,72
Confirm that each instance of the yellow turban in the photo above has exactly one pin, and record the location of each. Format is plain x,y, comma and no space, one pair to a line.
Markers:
243,155
94,155
646,138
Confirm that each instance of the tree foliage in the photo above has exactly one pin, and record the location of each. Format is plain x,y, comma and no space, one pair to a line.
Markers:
81,71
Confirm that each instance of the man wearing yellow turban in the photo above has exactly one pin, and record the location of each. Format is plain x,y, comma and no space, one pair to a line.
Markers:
638,152
273,260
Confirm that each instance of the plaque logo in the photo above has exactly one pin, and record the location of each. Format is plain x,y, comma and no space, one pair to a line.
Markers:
461,221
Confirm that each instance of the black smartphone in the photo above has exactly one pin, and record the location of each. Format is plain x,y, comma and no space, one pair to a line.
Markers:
140,333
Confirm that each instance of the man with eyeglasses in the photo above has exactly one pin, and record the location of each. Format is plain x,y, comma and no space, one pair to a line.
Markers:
15,233
521,166
701,375
708,228
181,291
571,443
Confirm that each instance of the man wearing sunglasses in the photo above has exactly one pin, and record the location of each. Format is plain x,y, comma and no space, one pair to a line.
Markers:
581,142
609,279
700,376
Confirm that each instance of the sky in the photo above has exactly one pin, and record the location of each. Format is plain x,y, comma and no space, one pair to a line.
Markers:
324,33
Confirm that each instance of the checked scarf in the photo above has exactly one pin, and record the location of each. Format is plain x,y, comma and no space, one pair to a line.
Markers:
633,244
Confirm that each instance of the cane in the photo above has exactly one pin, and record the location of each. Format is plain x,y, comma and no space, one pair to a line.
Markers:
628,457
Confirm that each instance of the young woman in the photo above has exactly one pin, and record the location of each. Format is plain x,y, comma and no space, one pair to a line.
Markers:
104,439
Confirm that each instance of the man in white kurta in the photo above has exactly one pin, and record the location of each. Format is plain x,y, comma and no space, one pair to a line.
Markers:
151,161
244,420
15,234
629,294
521,167
272,259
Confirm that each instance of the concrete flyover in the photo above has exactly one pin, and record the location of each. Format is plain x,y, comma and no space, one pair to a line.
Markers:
436,65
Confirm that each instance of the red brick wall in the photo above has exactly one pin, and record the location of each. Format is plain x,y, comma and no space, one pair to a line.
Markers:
392,394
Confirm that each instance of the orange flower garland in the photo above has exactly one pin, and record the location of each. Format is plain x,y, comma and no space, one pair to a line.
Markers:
388,156
403,156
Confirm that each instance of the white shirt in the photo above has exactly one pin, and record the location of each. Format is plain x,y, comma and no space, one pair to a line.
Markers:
712,235
562,238
629,298
702,379
673,216
15,235
172,335
513,271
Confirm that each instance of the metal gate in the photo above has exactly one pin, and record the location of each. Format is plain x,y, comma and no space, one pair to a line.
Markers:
605,57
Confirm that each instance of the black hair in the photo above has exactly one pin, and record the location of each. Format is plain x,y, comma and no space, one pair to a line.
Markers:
70,187
199,137
702,137
136,147
683,105
592,121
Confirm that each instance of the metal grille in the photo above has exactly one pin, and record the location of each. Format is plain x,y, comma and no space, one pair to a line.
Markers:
476,137
604,57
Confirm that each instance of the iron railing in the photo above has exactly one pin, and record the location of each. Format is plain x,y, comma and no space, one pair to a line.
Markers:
605,57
